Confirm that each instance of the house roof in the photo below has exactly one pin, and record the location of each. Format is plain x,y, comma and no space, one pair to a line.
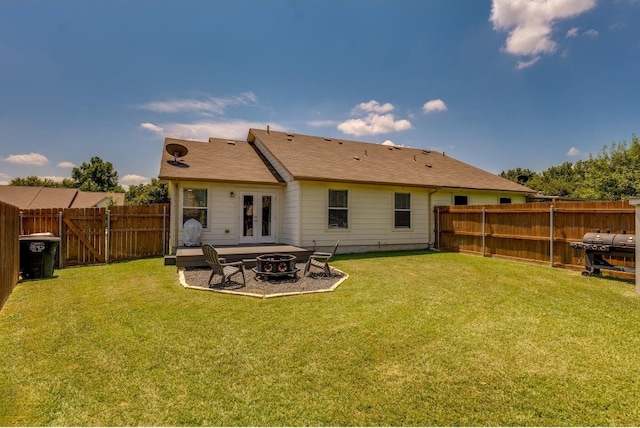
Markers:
217,160
334,159
26,197
94,199
315,158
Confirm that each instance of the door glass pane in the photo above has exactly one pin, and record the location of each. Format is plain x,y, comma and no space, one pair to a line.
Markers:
266,216
247,215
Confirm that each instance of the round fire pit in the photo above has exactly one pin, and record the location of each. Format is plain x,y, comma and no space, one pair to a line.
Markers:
275,265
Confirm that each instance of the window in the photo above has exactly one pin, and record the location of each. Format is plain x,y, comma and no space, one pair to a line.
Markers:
194,205
402,209
460,200
505,200
338,209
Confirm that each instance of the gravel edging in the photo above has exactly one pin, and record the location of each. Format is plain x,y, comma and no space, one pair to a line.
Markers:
196,278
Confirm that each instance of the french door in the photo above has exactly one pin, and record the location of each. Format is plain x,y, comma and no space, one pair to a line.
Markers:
256,218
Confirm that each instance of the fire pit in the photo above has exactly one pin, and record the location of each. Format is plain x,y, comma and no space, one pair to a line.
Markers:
275,265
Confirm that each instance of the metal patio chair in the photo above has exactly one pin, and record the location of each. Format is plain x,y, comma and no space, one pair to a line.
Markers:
219,267
321,260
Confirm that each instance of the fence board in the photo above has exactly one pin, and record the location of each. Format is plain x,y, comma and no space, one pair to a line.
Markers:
524,231
90,236
10,245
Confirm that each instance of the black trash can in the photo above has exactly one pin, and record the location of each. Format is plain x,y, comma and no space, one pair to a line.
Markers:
37,255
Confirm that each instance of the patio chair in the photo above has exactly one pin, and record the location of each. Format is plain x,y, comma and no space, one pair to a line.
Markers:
219,267
320,260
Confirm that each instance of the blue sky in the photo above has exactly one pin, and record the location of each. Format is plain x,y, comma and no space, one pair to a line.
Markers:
498,84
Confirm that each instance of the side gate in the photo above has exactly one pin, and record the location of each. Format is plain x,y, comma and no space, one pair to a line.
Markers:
83,236
101,235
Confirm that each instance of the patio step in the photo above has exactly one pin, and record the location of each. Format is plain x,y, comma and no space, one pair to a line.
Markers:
193,257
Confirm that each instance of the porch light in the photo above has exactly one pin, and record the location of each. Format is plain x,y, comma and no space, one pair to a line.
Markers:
232,195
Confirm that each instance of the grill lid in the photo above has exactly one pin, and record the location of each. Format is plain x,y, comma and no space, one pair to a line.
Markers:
620,240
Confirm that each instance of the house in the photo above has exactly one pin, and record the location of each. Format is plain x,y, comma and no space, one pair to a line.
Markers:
309,191
26,197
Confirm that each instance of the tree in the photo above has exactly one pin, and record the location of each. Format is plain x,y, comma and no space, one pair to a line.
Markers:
155,192
35,181
518,174
556,180
613,174
96,176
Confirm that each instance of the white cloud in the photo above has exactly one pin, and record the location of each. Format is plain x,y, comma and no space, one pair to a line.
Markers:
591,33
573,152
434,105
151,127
572,32
388,143
524,64
29,159
202,131
134,179
374,124
208,105
66,164
530,23
373,106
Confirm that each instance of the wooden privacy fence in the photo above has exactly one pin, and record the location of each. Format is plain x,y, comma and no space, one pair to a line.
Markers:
102,235
9,250
538,232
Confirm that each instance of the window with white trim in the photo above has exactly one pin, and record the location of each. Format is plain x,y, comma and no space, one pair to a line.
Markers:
338,209
195,205
402,210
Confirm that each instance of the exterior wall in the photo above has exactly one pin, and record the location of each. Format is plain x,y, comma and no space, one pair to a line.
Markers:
301,216
223,215
371,216
291,205
476,197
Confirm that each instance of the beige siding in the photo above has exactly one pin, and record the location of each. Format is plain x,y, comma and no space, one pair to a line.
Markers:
371,218
291,214
476,197
224,211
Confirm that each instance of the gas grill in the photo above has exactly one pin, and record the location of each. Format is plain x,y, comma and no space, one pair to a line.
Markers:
598,245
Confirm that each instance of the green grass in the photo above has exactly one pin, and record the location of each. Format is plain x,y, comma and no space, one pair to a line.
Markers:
413,338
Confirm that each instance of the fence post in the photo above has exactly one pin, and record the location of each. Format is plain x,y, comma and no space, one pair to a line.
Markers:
551,211
164,230
484,216
438,227
20,215
60,244
107,236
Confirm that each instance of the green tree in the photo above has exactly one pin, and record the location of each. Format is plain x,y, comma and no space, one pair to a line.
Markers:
614,173
558,180
155,192
519,175
35,181
96,176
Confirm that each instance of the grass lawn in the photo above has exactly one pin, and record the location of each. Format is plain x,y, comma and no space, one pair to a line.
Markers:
413,338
